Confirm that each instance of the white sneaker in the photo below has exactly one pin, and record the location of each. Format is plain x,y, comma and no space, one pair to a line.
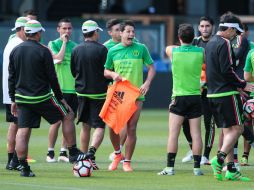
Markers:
197,171
188,157
204,161
167,171
63,159
50,160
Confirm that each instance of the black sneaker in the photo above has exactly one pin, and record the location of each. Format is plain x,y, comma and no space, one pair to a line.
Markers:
77,157
14,166
27,172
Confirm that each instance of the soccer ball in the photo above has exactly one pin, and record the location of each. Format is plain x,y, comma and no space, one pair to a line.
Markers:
248,108
82,168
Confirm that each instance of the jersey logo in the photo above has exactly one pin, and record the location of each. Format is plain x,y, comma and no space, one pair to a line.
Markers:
119,95
135,52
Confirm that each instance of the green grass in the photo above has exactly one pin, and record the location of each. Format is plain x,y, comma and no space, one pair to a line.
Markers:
149,158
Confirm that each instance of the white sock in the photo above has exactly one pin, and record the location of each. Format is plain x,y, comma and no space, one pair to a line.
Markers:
50,149
118,151
63,149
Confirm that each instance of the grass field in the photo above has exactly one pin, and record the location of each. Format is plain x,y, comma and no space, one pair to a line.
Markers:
149,158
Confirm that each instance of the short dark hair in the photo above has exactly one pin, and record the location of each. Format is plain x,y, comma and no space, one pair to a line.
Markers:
30,12
30,34
63,20
112,22
206,18
245,27
126,23
228,17
89,34
186,33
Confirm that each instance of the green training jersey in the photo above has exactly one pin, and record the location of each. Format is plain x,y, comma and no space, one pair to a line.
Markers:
128,61
63,69
249,65
187,63
110,43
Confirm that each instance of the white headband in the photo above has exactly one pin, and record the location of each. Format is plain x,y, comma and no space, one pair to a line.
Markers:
232,25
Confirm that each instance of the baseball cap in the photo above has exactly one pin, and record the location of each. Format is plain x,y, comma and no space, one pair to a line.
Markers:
33,26
89,26
232,25
20,22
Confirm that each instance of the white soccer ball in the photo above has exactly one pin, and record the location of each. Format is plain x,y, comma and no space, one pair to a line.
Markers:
82,168
248,108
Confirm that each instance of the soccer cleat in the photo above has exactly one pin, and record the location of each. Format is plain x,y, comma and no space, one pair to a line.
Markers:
94,165
188,157
204,161
27,172
217,168
8,166
167,171
30,159
244,161
115,162
111,156
77,157
237,166
236,176
63,157
14,166
127,167
50,157
197,172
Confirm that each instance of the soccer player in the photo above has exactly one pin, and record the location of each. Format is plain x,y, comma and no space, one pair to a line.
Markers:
31,77
186,100
205,28
248,76
87,67
61,49
224,98
113,26
31,14
19,37
126,60
240,47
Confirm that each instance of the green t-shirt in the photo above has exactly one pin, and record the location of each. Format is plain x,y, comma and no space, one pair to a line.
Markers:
187,63
249,65
63,69
110,43
128,61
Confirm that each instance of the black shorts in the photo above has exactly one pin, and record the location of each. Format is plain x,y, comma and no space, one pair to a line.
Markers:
72,101
186,106
228,109
29,115
89,110
9,116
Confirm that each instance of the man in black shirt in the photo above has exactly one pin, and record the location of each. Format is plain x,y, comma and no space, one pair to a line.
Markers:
205,28
31,77
87,67
223,85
